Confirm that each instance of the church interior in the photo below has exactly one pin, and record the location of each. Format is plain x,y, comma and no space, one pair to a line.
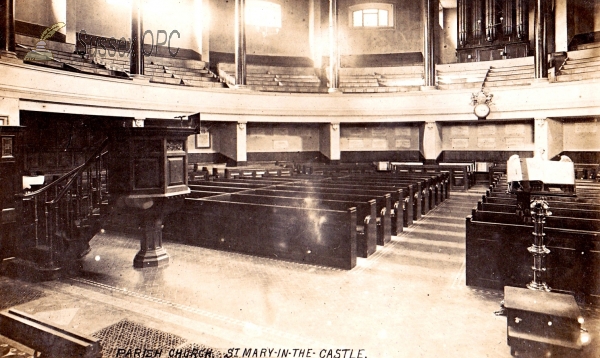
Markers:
300,178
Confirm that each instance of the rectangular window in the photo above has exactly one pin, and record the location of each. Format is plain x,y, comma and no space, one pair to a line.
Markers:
372,15
357,19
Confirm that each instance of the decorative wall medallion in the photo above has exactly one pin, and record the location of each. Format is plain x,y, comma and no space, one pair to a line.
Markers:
481,102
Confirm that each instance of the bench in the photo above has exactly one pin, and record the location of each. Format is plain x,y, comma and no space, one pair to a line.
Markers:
460,176
256,172
402,209
497,256
574,212
366,229
46,338
383,199
303,235
382,222
343,168
435,185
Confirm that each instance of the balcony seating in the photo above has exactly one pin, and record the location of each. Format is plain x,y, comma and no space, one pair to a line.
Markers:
461,75
580,65
176,71
274,78
511,72
381,79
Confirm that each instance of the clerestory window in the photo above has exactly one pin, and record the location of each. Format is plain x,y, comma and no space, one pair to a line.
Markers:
372,15
263,13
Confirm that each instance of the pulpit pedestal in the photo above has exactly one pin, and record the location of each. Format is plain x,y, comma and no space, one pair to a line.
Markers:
149,179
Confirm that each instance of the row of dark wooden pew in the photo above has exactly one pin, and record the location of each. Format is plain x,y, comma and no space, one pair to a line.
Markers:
324,220
497,240
461,175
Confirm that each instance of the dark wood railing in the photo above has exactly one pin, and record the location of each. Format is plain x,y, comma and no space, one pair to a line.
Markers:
60,218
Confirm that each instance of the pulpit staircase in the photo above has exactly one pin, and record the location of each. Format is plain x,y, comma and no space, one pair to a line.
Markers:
60,219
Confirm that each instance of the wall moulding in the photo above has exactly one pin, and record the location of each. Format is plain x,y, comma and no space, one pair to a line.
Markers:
59,92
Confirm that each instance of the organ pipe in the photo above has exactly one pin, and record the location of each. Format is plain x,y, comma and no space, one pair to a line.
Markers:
522,17
477,19
508,21
463,22
491,14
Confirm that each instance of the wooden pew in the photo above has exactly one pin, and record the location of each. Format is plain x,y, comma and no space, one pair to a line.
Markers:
366,229
45,338
243,172
383,197
586,171
556,211
383,205
552,203
341,168
378,226
312,236
570,223
402,210
397,194
434,186
430,194
460,175
496,171
497,256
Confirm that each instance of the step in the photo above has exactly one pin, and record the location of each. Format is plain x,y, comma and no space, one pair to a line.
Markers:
523,82
406,82
577,77
509,77
204,84
451,86
493,73
260,83
446,79
171,81
299,84
572,71
583,61
287,89
201,79
400,89
294,79
511,69
358,85
588,46
402,76
358,80
259,76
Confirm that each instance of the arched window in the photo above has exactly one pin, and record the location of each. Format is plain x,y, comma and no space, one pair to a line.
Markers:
372,15
263,13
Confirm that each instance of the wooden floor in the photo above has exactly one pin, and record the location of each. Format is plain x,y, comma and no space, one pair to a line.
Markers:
409,299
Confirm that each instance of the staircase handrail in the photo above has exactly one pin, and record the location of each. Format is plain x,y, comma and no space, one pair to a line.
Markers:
562,65
485,77
70,176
